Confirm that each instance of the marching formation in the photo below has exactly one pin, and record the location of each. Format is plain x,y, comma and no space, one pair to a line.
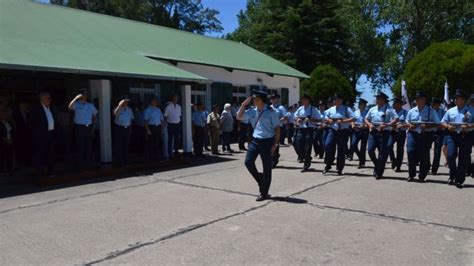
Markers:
336,132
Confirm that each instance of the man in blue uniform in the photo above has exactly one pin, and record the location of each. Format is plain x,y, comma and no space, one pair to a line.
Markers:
281,111
123,116
339,117
199,123
306,116
84,116
458,121
319,132
360,133
399,135
420,120
153,128
380,119
266,136
438,135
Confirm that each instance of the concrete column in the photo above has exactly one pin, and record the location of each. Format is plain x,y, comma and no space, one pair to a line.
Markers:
104,92
186,112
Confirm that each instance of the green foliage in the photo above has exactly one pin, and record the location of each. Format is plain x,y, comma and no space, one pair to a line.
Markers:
326,80
427,71
186,15
412,25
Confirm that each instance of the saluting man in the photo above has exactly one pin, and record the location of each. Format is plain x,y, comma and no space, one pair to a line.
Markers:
458,121
123,121
153,128
84,116
339,117
266,135
399,135
421,120
360,133
380,119
281,111
306,116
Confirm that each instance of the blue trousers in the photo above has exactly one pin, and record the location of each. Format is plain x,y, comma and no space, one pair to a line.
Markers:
361,136
318,142
399,139
383,142
438,139
262,147
418,150
305,143
336,138
459,146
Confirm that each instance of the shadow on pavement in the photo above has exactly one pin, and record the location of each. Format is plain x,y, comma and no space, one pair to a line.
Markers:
289,200
104,174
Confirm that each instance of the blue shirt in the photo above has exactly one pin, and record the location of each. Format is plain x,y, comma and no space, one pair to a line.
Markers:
83,113
428,114
339,112
124,117
199,118
456,115
360,116
384,114
264,122
440,112
291,117
280,109
309,111
153,116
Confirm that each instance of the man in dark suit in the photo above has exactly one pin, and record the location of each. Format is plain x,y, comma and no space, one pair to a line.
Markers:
6,143
43,125
21,118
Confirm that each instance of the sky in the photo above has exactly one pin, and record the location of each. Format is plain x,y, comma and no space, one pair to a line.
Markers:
228,11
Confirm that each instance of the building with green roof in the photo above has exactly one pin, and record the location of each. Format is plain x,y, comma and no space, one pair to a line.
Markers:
59,49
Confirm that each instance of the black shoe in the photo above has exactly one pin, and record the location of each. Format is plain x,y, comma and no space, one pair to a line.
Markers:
339,172
377,177
434,172
274,165
459,185
360,166
421,180
410,179
263,197
393,165
300,161
374,173
450,182
304,170
326,170
398,170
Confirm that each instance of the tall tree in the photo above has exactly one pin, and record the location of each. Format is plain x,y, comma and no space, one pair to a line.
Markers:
305,34
188,15
412,25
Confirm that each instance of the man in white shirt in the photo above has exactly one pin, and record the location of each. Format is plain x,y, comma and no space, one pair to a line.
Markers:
173,118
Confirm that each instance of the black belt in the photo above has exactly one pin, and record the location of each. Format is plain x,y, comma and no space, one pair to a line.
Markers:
120,126
79,125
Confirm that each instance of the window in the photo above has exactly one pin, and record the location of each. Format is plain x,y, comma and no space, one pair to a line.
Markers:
199,94
239,94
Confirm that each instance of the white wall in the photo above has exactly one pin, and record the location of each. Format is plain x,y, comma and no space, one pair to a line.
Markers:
246,78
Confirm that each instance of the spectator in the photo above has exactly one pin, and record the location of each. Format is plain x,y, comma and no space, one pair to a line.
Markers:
227,126
6,143
43,126
173,118
21,119
213,121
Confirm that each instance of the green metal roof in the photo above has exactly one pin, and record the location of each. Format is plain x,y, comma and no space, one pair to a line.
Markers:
48,36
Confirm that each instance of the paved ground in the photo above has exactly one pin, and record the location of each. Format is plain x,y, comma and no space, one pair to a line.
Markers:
207,215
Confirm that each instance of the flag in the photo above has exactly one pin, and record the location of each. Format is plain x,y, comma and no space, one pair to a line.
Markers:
405,99
447,101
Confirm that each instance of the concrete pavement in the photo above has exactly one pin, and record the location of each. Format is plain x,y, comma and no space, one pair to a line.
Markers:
206,214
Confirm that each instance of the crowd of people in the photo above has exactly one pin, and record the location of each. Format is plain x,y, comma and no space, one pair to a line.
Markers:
331,128
33,134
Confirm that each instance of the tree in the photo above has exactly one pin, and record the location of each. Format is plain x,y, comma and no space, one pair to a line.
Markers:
186,15
451,61
412,25
326,80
